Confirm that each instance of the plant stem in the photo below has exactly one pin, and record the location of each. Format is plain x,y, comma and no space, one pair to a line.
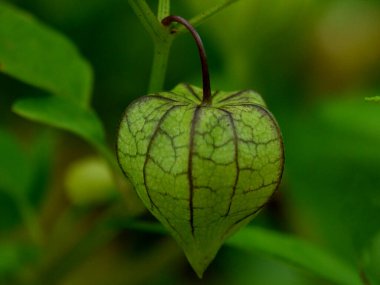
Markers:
162,37
161,52
147,18
202,17
160,63
163,9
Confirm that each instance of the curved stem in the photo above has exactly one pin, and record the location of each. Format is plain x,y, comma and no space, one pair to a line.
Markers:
202,54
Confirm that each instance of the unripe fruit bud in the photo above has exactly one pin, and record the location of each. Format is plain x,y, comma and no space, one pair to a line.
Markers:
89,182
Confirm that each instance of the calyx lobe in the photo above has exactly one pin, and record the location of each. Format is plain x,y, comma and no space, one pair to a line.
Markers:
203,170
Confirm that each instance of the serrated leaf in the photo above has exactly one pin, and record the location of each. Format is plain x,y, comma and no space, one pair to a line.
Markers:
36,54
62,114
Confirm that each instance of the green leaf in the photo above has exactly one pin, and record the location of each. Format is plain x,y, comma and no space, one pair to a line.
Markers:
295,251
63,114
35,54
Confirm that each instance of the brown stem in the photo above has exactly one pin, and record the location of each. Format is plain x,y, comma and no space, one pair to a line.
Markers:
202,54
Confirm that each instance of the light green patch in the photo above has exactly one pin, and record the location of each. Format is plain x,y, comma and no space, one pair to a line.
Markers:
203,170
373,99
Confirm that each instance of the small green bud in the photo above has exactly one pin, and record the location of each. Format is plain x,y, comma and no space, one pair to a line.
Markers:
89,182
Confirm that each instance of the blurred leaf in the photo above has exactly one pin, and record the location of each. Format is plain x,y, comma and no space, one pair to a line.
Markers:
206,14
69,13
9,259
42,158
297,252
373,99
62,114
15,167
13,256
37,55
353,116
19,184
9,212
249,60
371,261
245,267
281,246
21,171
333,158
357,124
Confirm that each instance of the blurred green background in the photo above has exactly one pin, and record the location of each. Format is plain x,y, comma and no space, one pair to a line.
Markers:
313,61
